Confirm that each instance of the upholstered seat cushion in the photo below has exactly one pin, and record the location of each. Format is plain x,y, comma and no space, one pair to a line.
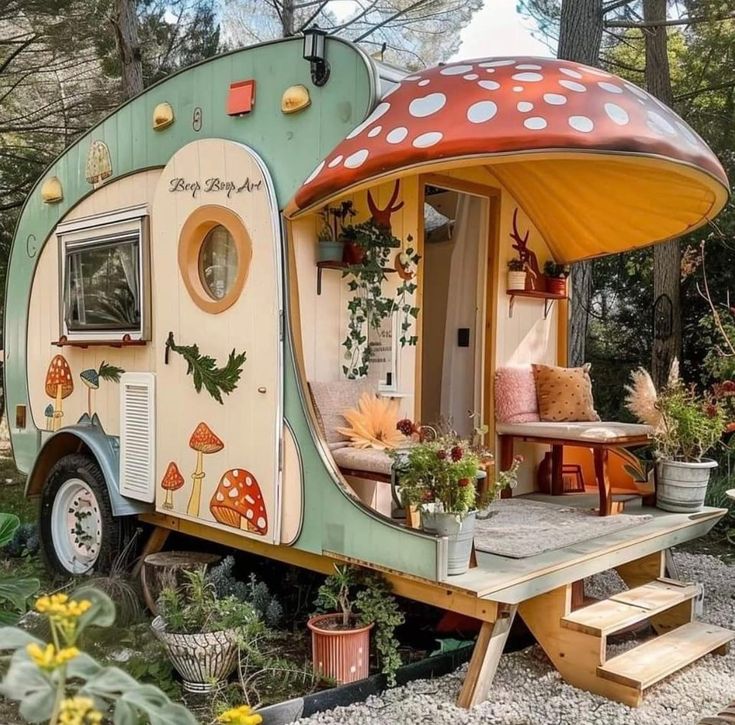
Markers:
595,432
331,400
369,460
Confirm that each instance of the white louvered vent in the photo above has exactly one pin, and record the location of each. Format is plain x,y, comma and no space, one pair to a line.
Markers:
137,436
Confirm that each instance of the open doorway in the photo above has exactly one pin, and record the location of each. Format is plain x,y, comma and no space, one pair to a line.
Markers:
455,307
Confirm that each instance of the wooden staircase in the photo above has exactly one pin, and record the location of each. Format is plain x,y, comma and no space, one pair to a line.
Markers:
576,641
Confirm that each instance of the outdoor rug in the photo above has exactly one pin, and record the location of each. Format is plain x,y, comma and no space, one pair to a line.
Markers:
518,528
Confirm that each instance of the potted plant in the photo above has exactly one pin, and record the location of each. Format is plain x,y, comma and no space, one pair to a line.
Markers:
369,305
350,604
555,276
687,425
516,275
331,242
201,632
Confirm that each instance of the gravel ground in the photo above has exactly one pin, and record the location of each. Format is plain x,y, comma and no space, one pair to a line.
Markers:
528,691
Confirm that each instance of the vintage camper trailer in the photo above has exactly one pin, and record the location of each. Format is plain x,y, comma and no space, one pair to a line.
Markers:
180,348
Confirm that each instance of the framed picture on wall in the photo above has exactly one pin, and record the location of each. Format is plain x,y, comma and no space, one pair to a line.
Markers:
383,344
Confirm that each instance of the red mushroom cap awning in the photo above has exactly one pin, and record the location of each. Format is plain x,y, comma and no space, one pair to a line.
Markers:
557,134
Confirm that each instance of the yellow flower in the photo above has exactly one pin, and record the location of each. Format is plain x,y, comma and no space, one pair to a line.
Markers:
48,658
242,715
59,605
79,711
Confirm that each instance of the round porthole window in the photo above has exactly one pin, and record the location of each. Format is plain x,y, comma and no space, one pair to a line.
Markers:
218,262
214,257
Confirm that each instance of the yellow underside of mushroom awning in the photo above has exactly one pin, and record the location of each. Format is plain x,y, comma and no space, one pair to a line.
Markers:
589,204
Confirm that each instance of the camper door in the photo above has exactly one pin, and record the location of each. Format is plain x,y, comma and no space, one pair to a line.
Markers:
217,321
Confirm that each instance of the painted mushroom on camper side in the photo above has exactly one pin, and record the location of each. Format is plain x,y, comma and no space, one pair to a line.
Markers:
49,413
172,481
204,442
59,385
91,378
238,502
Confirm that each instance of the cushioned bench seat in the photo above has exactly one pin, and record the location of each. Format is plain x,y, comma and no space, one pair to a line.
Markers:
363,460
609,433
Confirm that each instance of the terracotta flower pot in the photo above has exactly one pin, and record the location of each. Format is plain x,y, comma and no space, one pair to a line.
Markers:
353,253
341,654
556,285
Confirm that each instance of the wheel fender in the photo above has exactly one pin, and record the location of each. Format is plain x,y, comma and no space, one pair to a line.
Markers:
103,448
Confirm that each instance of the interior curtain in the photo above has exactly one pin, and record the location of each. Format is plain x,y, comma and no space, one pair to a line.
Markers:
128,255
458,370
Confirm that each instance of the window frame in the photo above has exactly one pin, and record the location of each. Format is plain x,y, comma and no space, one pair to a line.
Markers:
98,230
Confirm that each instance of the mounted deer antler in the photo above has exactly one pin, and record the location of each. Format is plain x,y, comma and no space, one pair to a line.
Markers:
533,280
382,216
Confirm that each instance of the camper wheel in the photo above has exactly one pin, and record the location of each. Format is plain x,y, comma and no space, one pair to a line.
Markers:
78,531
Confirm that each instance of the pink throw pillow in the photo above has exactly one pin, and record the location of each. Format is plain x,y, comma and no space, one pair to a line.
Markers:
515,395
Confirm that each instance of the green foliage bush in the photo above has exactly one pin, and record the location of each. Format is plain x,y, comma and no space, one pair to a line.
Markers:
14,591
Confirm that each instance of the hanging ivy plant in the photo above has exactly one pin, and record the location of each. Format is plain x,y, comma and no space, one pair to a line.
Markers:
369,305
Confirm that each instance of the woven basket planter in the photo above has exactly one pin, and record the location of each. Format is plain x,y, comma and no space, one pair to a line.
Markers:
203,660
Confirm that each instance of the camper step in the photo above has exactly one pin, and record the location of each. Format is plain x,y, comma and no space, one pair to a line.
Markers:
629,607
660,657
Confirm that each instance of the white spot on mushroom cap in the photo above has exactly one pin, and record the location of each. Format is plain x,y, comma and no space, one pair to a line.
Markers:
524,106
233,493
489,85
425,106
571,73
373,132
220,497
659,124
248,481
397,135
535,123
427,139
555,99
528,66
527,77
424,82
260,522
336,161
227,483
517,89
250,500
496,63
581,123
481,111
455,70
356,159
471,77
609,87
617,114
380,110
249,514
573,86
314,173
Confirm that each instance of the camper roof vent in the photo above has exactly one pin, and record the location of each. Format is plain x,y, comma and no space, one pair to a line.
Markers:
137,436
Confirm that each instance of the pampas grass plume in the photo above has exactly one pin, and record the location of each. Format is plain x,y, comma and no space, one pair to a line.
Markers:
641,398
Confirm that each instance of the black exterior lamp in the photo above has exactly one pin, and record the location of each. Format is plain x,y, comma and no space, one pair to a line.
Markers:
314,52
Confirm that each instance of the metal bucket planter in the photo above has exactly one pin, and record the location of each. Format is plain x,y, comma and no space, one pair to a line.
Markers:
681,487
340,654
330,251
203,660
459,529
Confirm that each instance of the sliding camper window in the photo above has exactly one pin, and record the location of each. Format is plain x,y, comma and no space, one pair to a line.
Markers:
103,277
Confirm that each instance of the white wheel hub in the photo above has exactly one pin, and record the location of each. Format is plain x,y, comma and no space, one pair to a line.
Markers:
76,526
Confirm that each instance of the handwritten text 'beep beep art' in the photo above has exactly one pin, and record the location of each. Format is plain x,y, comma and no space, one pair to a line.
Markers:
214,184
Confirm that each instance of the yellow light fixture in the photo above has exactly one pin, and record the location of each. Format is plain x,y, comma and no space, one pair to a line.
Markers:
163,116
52,191
294,99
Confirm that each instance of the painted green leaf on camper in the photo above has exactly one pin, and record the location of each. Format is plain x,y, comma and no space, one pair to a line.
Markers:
204,371
110,372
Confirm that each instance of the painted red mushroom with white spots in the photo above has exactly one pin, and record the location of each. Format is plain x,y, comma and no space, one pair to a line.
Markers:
498,106
238,502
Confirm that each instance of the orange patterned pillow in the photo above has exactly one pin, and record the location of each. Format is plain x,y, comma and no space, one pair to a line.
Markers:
564,394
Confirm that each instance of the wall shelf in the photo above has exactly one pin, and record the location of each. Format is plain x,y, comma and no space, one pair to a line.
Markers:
548,297
336,265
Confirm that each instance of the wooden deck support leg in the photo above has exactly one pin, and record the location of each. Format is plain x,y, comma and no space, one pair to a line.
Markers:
603,481
156,542
485,658
557,470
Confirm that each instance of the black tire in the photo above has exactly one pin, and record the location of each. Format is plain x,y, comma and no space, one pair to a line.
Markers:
113,531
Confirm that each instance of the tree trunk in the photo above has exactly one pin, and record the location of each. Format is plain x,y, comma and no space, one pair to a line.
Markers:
580,35
667,335
125,23
287,17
